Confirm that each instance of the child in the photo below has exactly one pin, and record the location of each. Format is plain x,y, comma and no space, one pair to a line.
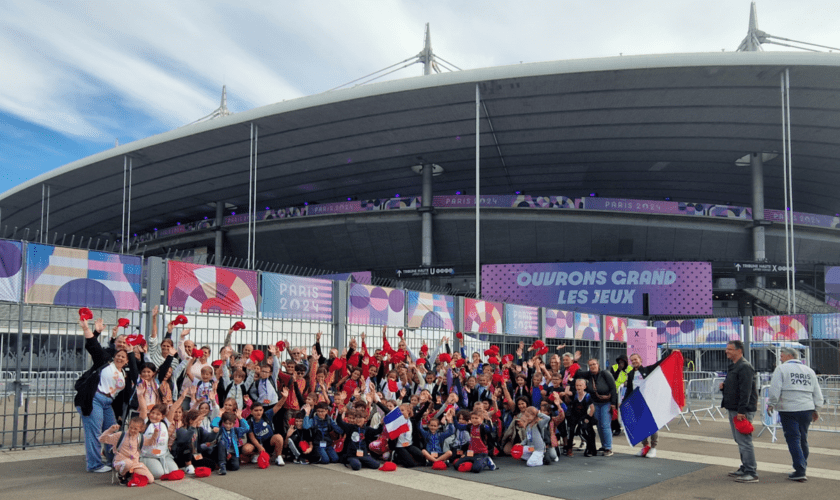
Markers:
228,448
127,448
322,424
189,441
297,436
533,446
262,434
477,453
156,457
236,389
355,453
434,439
580,418
406,451
461,439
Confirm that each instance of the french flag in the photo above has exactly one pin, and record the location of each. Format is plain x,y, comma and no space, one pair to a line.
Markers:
395,423
655,400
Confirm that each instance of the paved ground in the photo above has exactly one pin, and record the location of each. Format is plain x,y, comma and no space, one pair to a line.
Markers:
692,463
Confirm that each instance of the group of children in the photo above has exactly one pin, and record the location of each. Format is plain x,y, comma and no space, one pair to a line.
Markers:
360,408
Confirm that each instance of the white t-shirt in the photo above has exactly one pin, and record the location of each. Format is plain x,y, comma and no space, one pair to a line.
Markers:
160,447
111,380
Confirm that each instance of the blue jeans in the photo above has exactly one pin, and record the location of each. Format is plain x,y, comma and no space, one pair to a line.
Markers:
795,424
100,419
745,444
328,455
603,412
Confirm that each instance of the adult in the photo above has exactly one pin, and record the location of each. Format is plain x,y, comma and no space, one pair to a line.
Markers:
619,371
637,373
795,393
739,398
601,385
97,389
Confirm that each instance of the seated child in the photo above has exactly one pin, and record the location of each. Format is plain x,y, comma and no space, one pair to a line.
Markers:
262,436
477,455
321,423
357,434
189,440
300,441
229,436
533,446
435,437
127,448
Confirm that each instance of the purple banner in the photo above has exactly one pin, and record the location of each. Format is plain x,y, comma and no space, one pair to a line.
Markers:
609,287
621,205
295,297
804,219
522,320
559,324
376,305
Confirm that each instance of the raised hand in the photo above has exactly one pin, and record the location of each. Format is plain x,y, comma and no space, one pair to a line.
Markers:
318,336
185,332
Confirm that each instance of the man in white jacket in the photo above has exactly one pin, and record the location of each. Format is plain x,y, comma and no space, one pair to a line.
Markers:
795,393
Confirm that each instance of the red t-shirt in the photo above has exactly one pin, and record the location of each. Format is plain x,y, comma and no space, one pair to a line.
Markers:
476,444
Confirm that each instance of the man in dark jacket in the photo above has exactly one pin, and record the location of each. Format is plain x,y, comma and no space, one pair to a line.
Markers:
740,397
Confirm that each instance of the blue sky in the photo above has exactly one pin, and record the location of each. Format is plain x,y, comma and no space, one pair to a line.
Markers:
77,75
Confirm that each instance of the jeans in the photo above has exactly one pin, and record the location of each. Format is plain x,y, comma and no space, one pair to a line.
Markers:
327,454
745,444
603,412
795,424
101,418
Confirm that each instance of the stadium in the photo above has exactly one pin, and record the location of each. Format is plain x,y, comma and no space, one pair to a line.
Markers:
614,165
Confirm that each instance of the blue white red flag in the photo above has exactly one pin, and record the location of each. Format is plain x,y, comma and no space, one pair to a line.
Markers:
655,400
395,423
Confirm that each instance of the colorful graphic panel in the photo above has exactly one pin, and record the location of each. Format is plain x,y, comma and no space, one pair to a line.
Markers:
481,316
70,277
826,326
430,310
11,275
609,287
522,320
698,331
832,286
616,328
212,289
559,324
376,305
295,297
780,328
587,326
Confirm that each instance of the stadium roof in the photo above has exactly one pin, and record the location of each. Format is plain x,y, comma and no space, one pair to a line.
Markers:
643,127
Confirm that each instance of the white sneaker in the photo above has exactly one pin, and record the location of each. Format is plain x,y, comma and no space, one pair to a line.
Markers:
651,453
190,470
103,468
641,453
279,460
255,458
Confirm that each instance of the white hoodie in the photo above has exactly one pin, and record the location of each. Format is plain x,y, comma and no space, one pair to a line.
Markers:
794,387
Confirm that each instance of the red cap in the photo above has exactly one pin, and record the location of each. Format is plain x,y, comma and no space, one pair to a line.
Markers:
493,360
263,461
439,465
123,322
400,334
494,348
338,364
537,345
543,351
257,356
175,475
393,386
465,467
744,426
507,358
85,313
202,472
133,339
516,451
239,325
460,336
217,363
489,352
197,353
424,348
292,422
497,378
390,467
460,362
138,480
180,320
281,346
445,357
304,446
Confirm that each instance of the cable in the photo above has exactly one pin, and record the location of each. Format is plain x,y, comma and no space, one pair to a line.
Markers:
447,62
371,74
797,41
388,73
792,46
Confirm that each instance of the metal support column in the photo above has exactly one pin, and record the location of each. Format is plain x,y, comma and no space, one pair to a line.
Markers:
220,221
602,320
341,291
477,193
759,252
18,384
426,218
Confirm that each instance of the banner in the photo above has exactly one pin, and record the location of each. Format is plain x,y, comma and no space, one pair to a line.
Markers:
295,297
70,277
430,310
11,276
587,326
642,341
559,324
211,289
826,326
615,287
376,305
616,329
780,328
481,316
698,331
522,320
832,286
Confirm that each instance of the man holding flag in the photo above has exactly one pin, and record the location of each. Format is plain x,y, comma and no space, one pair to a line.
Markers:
654,397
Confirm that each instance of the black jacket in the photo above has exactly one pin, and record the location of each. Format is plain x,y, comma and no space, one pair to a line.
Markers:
599,383
739,392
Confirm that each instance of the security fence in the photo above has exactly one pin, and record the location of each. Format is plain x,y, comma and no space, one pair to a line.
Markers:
42,349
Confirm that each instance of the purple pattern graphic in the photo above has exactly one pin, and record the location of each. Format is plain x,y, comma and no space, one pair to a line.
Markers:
521,320
11,253
376,305
559,324
698,331
430,310
587,326
607,287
